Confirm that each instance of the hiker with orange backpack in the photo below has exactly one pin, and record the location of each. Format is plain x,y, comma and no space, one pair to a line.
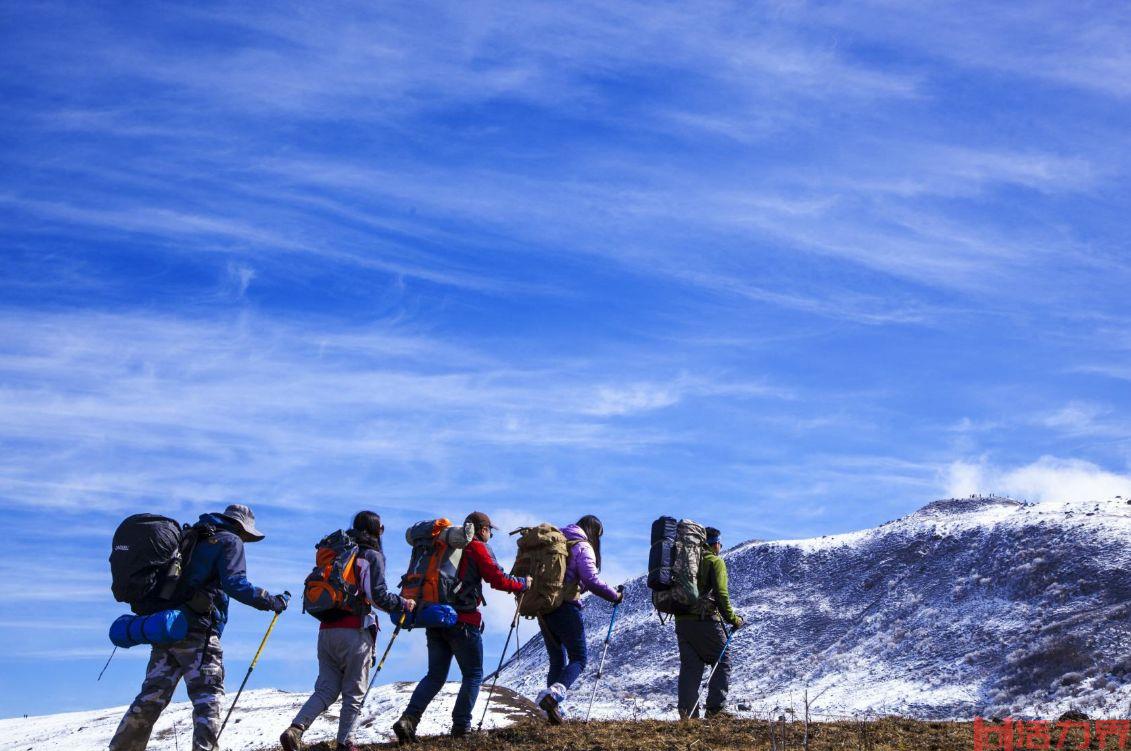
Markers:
462,589
563,631
348,581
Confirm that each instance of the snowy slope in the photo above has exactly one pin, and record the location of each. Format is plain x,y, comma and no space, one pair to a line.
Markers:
972,606
256,724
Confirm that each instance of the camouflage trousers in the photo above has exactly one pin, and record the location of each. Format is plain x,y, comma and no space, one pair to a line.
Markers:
199,659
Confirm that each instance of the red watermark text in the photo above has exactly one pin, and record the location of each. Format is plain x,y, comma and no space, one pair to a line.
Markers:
1045,735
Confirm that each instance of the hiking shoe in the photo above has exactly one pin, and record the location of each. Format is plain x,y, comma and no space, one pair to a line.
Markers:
291,739
719,714
459,731
405,729
549,705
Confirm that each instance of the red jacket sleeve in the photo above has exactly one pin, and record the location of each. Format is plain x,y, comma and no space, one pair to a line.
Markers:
490,569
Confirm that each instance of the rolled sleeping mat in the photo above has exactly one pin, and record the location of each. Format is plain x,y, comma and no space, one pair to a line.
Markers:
431,615
159,629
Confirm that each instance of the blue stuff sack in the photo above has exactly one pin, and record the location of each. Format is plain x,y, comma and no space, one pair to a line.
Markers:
159,629
427,616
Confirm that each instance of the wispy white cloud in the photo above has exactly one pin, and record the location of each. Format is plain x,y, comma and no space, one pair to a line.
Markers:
866,211
1048,478
1077,418
1083,47
554,252
200,405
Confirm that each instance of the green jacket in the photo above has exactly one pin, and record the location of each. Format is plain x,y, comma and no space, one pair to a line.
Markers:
712,581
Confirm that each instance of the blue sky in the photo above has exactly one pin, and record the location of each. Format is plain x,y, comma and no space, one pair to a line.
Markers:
787,268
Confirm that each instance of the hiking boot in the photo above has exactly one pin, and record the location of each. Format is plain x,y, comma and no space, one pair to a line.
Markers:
549,702
405,729
459,731
685,715
719,713
291,739
549,705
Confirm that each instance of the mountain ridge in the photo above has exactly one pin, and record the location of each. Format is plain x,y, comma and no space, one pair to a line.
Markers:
963,607
975,606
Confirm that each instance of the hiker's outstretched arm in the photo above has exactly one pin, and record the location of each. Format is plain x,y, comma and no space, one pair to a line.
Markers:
233,576
375,588
722,594
490,569
588,575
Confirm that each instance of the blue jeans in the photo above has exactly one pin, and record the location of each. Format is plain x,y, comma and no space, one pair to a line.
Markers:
465,643
564,635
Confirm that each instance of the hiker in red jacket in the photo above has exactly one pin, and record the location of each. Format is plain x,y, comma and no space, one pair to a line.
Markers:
463,641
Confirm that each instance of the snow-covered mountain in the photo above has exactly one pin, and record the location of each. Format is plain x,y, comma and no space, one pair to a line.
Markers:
257,721
968,606
973,606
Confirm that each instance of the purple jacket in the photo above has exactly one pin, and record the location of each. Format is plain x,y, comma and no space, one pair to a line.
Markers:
582,566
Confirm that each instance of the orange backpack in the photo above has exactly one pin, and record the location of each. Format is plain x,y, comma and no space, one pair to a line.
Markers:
332,589
436,550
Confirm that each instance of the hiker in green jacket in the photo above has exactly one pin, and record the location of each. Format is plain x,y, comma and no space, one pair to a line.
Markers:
701,634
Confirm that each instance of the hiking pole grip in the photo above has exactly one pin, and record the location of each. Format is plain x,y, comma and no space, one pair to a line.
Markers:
503,656
710,675
604,652
251,667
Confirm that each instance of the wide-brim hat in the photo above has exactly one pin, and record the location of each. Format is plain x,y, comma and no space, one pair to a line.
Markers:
243,518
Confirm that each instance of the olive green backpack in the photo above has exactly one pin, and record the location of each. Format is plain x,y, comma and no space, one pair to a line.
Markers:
543,555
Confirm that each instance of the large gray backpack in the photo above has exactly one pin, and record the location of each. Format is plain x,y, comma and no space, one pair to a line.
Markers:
678,549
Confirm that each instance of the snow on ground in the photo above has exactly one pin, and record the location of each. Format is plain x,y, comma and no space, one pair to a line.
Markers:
259,718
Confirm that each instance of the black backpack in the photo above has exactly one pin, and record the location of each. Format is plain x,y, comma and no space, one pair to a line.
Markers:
149,554
673,565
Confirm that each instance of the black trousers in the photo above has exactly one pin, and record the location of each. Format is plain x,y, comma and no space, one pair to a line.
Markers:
700,644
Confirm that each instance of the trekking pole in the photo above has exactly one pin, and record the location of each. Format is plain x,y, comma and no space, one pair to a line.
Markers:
254,660
503,656
381,664
111,657
699,694
604,651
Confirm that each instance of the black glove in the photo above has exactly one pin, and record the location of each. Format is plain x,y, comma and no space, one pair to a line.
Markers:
620,591
279,602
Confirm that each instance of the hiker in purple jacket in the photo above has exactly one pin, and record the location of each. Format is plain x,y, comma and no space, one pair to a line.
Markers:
563,631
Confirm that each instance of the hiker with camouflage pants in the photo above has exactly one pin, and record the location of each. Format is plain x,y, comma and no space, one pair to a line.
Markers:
216,571
701,635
